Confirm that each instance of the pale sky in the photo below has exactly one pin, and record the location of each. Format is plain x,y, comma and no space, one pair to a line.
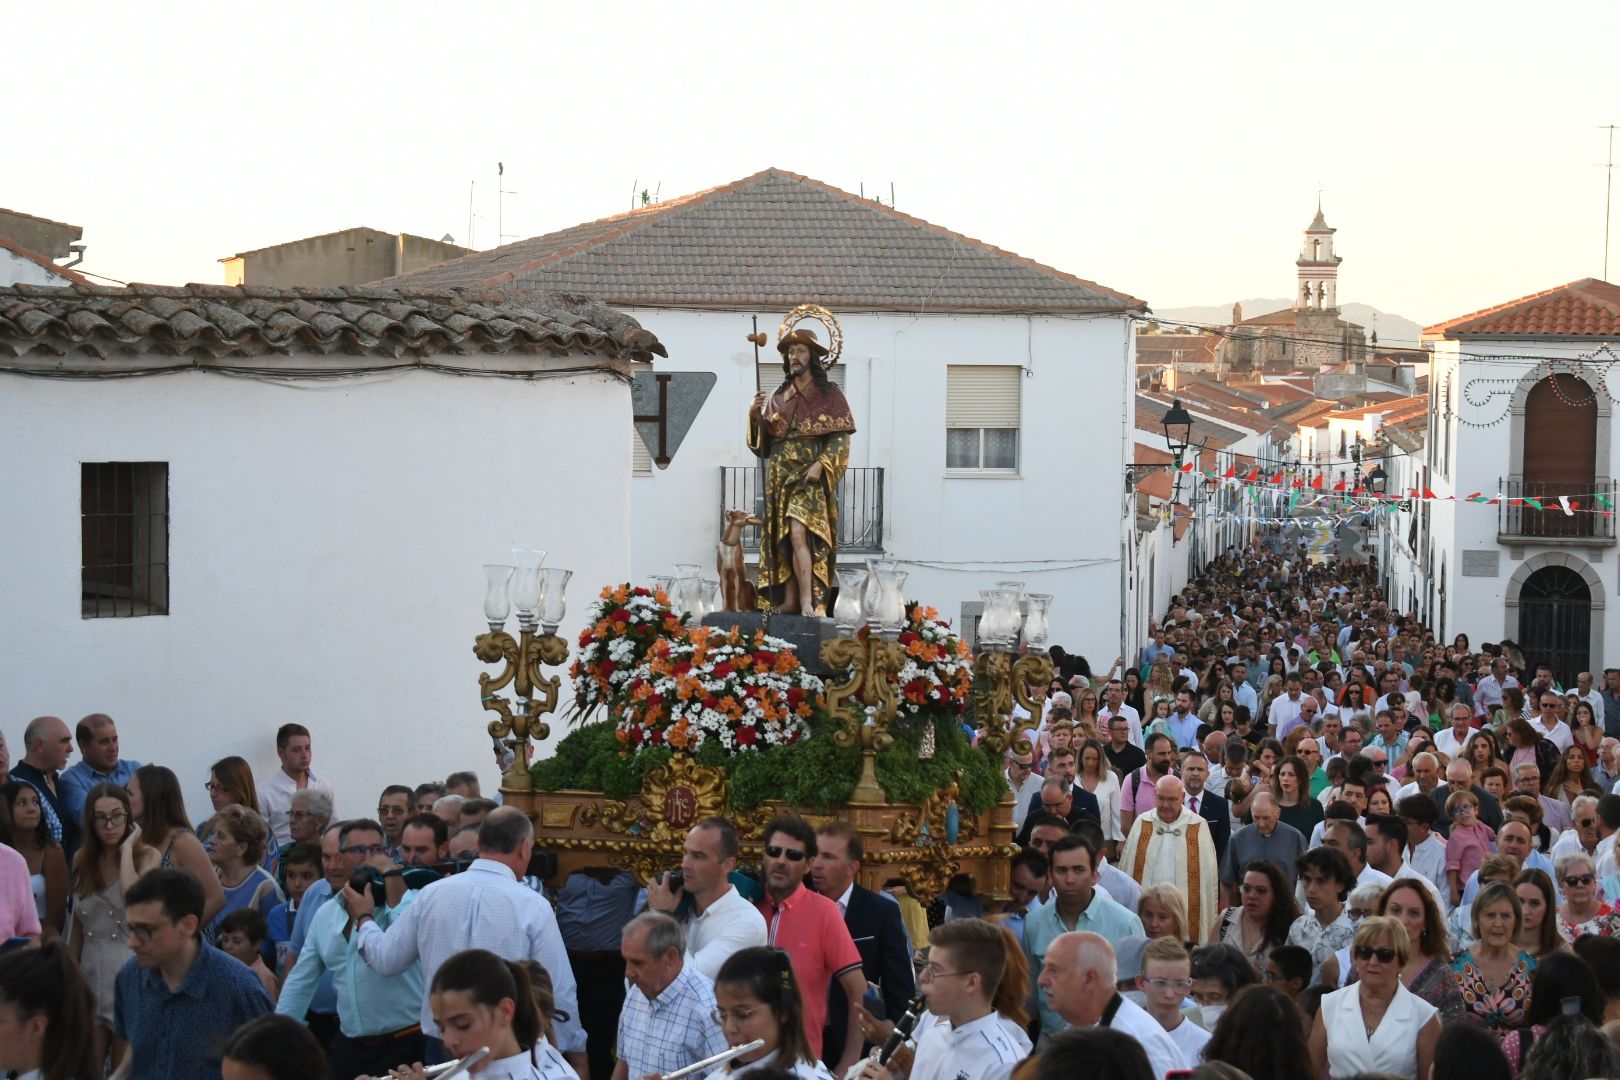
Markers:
1172,151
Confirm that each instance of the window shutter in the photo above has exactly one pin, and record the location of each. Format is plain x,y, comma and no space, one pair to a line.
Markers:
640,458
980,396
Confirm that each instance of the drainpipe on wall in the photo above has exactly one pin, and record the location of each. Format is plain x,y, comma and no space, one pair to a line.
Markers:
78,256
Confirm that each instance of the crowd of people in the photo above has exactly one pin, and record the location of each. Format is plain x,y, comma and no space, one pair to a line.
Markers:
1297,837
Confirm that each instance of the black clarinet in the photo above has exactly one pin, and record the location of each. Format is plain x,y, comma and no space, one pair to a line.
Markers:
903,1028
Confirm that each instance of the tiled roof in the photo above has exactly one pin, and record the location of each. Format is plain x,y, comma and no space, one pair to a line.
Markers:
1178,348
1387,409
776,239
1219,395
1149,416
388,236
40,260
1585,308
1289,318
216,321
1274,394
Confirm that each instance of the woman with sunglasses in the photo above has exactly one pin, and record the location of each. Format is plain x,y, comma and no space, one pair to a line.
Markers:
1582,912
757,997
1375,1025
1494,973
112,858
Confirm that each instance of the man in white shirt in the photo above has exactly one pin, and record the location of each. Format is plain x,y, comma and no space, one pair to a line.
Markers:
1452,741
1425,848
1351,839
1425,776
1551,702
276,791
1165,981
486,906
1242,691
1080,980
722,921
1285,708
1488,691
1022,778
1114,705
1590,694
1387,836
966,959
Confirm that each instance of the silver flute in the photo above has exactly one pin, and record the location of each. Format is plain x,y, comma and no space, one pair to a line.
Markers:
450,1069
718,1059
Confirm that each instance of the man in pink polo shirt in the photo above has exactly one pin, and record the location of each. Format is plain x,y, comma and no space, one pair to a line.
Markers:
811,930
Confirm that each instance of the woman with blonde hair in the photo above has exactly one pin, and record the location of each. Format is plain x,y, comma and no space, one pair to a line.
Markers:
1163,911
1375,1025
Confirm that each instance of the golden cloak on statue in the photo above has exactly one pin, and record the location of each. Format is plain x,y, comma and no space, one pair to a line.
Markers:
802,432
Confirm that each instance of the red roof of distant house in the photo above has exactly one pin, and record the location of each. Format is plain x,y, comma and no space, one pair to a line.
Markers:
1585,308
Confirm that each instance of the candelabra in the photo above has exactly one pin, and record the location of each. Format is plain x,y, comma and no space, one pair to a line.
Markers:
538,596
1001,678
869,614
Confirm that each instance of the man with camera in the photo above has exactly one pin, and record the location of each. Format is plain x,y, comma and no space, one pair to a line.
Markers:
718,921
378,1016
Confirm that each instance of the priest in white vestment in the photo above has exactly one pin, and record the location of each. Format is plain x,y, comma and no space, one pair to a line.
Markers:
1173,845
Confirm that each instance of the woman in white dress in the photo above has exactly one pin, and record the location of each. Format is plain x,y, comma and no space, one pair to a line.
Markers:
1096,777
1375,1025
480,1000
757,997
48,1015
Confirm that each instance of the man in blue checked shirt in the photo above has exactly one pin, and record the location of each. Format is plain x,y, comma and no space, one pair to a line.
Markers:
378,1016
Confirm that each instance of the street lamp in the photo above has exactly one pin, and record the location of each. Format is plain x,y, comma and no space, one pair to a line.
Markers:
538,596
1177,430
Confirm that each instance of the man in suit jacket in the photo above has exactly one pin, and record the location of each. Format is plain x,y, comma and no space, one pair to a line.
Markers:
1206,804
874,922
1062,798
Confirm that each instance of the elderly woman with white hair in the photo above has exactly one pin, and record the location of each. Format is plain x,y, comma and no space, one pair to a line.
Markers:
1583,911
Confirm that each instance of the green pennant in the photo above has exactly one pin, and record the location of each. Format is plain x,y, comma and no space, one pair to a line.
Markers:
1604,499
1534,502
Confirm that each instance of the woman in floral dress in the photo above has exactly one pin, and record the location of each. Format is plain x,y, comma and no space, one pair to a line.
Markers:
1583,911
1494,975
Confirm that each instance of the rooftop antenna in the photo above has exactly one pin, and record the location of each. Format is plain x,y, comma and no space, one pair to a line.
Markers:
635,187
1608,192
472,185
500,203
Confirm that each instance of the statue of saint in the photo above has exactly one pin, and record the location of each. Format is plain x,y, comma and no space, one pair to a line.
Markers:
802,431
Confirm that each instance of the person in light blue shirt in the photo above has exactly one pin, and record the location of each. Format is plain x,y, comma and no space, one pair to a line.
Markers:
1184,723
370,1007
98,763
323,1003
1075,905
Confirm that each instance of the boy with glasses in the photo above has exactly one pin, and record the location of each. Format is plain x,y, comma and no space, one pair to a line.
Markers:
966,960
1165,982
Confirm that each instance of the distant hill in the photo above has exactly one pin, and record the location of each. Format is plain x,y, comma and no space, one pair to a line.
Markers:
1392,329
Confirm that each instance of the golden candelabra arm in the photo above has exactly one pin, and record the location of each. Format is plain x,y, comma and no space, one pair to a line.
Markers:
1032,670
536,693
867,699
992,697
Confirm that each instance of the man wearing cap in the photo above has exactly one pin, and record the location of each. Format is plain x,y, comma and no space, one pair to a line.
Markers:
802,431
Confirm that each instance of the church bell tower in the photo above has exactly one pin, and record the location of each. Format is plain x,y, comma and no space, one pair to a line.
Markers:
1318,288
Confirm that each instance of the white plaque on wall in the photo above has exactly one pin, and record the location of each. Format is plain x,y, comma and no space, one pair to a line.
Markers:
1480,563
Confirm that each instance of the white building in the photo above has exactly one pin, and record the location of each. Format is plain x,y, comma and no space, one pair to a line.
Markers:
1521,410
288,524
22,266
989,391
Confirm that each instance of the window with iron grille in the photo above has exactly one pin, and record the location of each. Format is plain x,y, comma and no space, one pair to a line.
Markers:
124,523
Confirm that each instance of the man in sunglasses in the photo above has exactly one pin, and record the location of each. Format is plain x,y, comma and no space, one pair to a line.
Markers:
811,929
1549,723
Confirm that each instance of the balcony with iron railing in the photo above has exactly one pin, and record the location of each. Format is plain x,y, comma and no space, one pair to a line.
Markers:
1519,522
860,507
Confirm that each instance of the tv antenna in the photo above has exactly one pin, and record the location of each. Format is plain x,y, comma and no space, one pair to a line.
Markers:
1608,196
500,203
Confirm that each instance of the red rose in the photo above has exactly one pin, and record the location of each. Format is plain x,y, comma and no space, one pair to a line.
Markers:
908,637
745,736
722,671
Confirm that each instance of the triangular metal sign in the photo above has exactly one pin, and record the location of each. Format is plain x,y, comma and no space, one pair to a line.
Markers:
665,404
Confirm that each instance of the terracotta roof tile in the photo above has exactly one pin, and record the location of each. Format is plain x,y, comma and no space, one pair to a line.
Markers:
217,321
1585,308
776,238
38,259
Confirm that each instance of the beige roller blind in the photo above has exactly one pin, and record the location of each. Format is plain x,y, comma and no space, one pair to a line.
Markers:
981,396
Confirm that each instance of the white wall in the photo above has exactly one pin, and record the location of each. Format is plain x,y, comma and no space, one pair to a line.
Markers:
325,545
1480,458
16,270
1056,525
